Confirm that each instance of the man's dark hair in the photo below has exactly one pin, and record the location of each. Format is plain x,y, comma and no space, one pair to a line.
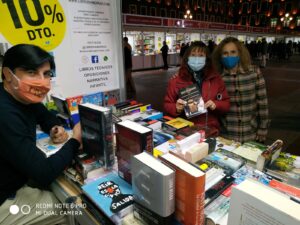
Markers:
125,39
26,56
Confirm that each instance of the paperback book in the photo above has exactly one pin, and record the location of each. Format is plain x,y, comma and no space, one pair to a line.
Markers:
194,102
112,195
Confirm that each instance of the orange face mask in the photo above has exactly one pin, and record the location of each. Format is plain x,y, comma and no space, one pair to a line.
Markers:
32,91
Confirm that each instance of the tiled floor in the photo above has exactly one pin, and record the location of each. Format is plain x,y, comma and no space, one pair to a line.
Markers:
283,87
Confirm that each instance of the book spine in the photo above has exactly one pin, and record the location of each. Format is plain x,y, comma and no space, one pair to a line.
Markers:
147,142
169,194
108,140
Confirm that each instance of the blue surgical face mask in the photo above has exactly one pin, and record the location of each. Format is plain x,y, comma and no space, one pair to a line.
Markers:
230,62
196,63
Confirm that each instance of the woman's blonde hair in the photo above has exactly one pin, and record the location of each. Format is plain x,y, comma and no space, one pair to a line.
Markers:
245,58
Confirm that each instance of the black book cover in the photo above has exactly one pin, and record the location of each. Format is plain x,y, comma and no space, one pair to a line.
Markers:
96,125
194,102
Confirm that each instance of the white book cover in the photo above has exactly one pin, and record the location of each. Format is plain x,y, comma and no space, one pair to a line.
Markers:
254,203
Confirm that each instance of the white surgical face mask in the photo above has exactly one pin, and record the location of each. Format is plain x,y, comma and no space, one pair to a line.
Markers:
196,63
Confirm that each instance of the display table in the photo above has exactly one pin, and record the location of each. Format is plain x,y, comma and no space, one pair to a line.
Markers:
63,190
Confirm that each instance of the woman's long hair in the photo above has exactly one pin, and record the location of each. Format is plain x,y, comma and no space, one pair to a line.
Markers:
245,58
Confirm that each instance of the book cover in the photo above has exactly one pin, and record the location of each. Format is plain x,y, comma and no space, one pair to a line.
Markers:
63,110
194,102
254,203
160,137
96,125
212,193
111,97
153,185
73,103
95,98
132,138
45,143
112,195
177,124
189,190
250,150
228,161
61,105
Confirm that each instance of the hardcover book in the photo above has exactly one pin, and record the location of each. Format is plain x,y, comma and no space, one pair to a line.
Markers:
189,190
194,102
132,138
153,185
96,125
112,195
254,203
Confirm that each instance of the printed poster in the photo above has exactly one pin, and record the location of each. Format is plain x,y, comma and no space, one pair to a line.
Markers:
80,34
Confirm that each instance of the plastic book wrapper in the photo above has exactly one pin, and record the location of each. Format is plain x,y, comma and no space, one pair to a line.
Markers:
194,102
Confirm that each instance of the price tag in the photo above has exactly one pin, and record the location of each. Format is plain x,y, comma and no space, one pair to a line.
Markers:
37,22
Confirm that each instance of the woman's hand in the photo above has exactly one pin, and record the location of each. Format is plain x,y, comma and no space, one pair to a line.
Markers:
58,134
180,105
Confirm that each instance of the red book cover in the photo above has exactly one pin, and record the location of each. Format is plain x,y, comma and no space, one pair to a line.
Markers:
132,138
189,190
73,103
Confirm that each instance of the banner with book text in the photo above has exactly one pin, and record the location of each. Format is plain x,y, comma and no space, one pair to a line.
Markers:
83,36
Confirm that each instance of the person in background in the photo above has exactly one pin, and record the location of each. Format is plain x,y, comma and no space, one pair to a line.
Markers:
164,51
264,53
25,171
247,119
130,87
196,69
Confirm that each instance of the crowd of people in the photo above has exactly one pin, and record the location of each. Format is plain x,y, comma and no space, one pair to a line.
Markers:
233,89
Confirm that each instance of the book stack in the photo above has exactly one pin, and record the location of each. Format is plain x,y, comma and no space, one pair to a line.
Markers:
96,125
132,138
153,186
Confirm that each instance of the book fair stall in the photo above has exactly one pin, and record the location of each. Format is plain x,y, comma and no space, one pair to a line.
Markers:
138,165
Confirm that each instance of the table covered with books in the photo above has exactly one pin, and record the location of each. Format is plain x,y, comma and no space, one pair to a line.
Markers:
142,167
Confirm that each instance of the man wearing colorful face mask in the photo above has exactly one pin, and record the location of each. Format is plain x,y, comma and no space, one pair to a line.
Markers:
247,119
26,74
196,69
